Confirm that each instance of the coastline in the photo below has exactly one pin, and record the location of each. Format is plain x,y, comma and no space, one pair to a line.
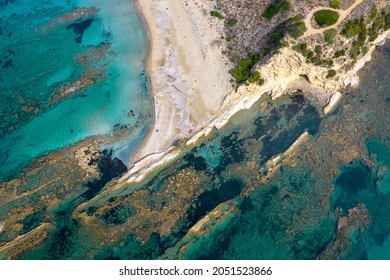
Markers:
148,71
157,151
187,84
199,191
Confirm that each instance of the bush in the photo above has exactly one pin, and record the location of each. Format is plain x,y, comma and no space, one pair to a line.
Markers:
362,36
276,36
297,29
329,35
293,26
242,71
301,48
372,34
335,4
274,8
318,49
326,17
327,62
266,52
285,44
374,13
387,21
231,22
216,14
355,50
295,18
255,78
331,73
339,53
353,28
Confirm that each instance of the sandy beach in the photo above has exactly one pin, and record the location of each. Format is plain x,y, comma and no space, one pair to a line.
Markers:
188,75
188,78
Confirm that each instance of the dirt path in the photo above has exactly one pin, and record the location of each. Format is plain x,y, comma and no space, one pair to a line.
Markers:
343,14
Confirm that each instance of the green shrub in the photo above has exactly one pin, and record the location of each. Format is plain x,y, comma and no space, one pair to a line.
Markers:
292,26
296,18
326,17
231,22
376,26
357,27
387,21
335,4
339,53
255,78
331,73
297,29
353,28
373,13
355,50
362,36
329,35
266,52
285,44
372,34
216,14
301,48
318,49
242,71
276,36
316,60
274,8
327,62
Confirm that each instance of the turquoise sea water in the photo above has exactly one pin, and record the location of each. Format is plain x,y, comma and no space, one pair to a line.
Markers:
36,60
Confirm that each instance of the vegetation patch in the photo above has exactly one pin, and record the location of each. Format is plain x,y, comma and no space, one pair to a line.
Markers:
255,78
297,29
353,28
231,22
326,17
330,35
387,21
335,4
331,73
314,57
216,14
301,48
379,21
274,8
339,53
292,26
356,27
242,71
318,49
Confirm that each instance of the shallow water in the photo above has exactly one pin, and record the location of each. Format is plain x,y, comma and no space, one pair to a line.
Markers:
42,60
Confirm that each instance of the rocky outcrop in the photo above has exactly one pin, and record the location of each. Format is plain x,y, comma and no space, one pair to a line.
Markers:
350,229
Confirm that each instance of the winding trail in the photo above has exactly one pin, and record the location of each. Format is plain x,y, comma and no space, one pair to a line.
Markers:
343,14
